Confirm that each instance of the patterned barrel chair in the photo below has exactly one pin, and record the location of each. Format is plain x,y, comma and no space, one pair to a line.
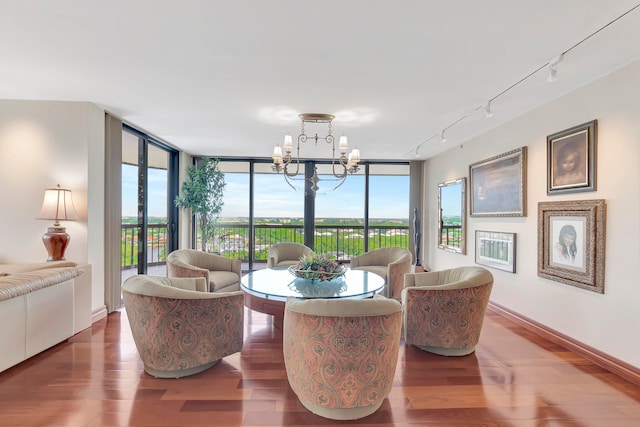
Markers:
391,263
341,354
221,273
444,310
180,328
286,253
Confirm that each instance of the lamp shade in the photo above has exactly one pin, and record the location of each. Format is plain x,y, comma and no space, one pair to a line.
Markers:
57,205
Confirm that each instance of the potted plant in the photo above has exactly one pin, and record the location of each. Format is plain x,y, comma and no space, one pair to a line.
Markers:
203,192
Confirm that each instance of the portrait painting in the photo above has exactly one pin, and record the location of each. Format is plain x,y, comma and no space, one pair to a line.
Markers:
571,240
571,159
568,248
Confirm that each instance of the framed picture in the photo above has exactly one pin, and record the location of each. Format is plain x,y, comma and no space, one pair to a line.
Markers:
498,185
571,159
496,249
571,238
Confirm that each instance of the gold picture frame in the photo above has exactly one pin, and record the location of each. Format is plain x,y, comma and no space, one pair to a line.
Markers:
571,243
499,185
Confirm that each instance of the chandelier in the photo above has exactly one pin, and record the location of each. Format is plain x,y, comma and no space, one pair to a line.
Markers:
340,166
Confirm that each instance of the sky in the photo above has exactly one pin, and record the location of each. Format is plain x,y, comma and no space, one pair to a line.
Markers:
388,196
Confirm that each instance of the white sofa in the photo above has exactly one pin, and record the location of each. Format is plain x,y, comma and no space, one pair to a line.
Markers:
41,305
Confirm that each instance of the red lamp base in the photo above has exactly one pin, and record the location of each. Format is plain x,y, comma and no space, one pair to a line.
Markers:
56,241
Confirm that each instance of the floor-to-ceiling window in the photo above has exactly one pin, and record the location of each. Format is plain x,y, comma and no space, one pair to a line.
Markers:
149,186
339,213
369,210
278,211
233,233
388,206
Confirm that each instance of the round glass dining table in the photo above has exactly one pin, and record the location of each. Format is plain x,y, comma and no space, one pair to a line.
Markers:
267,290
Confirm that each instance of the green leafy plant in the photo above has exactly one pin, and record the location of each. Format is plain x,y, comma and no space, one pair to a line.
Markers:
203,193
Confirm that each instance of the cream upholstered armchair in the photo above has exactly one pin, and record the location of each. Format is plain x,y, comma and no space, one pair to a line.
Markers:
341,354
444,310
286,253
179,327
391,263
222,274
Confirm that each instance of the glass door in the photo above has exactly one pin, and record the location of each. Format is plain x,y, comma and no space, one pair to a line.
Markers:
149,186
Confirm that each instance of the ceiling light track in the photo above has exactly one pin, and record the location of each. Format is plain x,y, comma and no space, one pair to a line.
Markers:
552,66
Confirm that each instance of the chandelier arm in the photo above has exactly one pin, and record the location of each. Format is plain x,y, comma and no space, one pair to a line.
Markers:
339,175
340,160
340,183
294,173
288,160
286,178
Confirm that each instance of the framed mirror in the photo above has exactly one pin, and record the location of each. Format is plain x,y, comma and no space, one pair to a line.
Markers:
452,211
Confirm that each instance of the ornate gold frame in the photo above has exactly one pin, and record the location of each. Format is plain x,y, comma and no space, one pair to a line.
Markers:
586,270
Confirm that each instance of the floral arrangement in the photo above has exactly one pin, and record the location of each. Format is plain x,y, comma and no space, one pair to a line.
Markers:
317,267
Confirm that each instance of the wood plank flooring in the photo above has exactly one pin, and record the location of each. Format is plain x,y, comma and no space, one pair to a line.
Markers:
515,378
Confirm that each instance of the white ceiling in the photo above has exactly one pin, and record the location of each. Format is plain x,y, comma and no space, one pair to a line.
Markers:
228,78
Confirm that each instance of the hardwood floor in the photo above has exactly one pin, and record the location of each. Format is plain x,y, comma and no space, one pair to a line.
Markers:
515,378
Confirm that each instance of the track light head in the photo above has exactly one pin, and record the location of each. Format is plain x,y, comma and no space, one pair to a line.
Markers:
442,137
553,68
487,110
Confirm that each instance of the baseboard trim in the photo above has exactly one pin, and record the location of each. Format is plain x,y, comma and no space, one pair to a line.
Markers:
99,314
611,364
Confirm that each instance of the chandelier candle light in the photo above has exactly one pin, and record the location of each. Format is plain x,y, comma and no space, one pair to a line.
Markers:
343,164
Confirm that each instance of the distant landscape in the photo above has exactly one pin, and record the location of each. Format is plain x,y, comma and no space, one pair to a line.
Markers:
341,238
287,221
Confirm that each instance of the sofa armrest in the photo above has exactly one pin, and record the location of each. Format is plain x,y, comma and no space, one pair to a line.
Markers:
33,266
15,285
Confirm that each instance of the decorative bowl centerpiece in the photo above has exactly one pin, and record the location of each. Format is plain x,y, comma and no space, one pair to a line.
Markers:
317,267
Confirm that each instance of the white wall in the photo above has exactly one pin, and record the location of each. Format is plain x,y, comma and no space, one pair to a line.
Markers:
44,143
603,321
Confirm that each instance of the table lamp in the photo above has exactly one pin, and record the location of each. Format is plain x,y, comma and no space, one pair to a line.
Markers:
58,206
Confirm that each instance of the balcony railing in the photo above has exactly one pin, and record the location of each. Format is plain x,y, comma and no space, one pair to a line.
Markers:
451,235
232,241
156,245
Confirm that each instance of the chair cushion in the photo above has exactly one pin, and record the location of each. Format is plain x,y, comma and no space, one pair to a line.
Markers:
221,279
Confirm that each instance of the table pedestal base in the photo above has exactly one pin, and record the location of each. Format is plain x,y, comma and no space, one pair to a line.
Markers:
266,306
